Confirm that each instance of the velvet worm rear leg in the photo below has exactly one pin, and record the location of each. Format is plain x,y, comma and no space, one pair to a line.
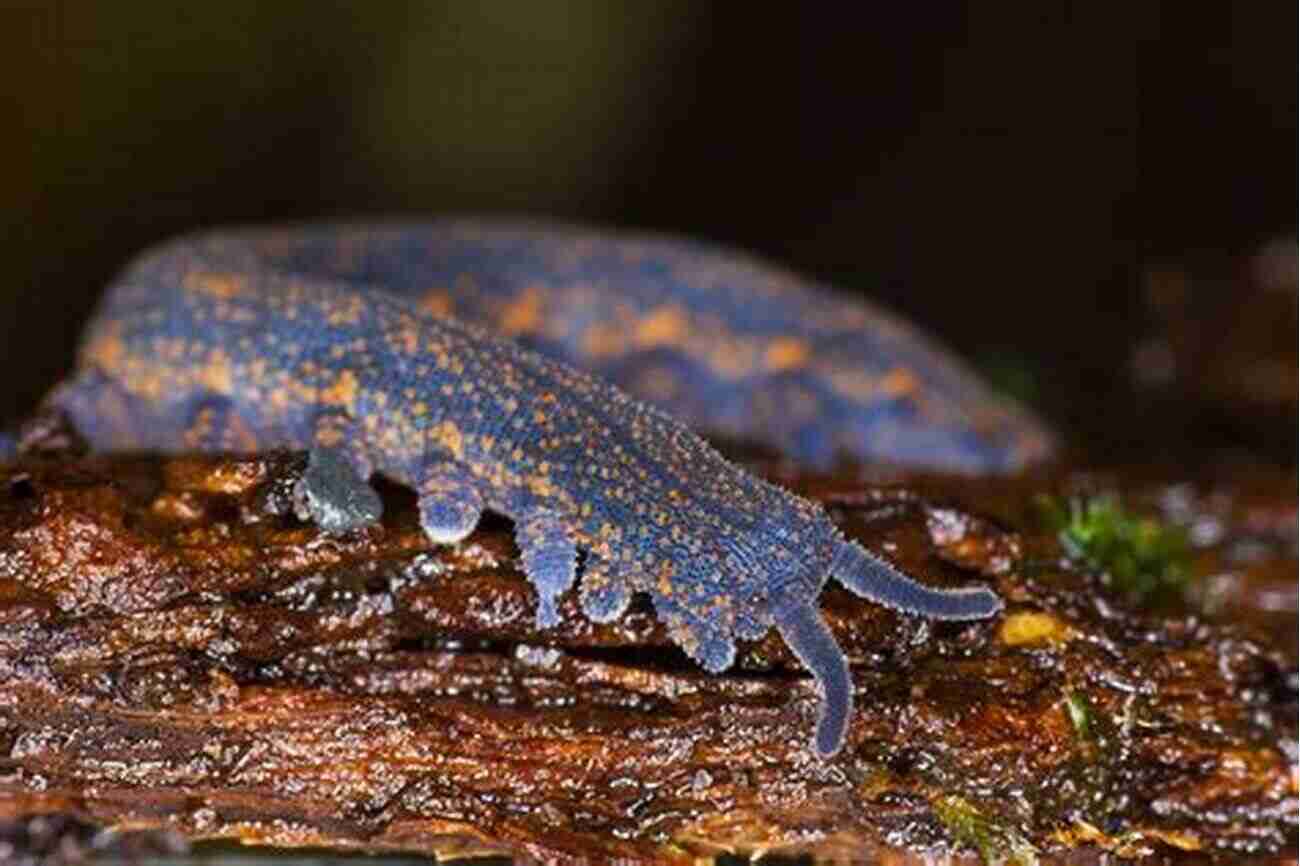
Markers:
808,637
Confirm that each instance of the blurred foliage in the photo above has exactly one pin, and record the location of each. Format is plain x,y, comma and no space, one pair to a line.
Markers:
1143,558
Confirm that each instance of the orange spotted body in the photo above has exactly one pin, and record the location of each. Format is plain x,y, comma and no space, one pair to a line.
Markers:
721,340
323,340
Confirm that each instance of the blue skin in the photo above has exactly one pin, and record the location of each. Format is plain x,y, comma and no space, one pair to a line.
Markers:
949,420
210,345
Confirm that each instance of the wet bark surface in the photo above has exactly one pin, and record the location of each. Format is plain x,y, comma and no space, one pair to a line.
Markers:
179,652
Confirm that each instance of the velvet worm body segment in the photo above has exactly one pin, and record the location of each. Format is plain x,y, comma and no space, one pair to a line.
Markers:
335,340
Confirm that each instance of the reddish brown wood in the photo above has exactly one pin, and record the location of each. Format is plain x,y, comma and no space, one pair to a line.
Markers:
177,651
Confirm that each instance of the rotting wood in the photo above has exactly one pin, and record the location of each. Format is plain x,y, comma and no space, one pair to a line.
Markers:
178,651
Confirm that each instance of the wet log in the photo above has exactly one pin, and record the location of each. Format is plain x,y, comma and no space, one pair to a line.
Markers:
179,652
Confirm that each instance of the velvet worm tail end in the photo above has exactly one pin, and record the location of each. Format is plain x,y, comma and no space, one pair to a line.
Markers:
876,580
809,638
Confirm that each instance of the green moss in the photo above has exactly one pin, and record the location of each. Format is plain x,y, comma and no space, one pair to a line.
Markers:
1076,706
971,828
1145,559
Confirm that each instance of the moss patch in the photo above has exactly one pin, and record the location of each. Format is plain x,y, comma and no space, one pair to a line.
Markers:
971,828
1141,557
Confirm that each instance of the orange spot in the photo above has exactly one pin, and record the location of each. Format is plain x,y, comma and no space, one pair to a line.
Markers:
348,312
602,341
437,302
448,435
106,351
899,382
302,392
785,353
666,574
665,326
224,286
853,383
217,375
343,392
524,314
732,359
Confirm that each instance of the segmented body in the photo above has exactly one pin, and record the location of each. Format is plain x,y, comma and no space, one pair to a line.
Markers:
322,339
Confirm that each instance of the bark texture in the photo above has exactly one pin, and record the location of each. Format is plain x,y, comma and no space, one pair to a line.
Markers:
179,652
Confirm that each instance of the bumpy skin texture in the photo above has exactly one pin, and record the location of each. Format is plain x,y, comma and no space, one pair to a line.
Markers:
313,339
721,340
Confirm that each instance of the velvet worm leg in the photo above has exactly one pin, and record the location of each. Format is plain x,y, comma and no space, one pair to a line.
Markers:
712,647
550,560
335,489
450,502
808,637
334,495
604,594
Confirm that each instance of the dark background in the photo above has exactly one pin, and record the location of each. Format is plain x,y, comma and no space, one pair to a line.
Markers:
1069,193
